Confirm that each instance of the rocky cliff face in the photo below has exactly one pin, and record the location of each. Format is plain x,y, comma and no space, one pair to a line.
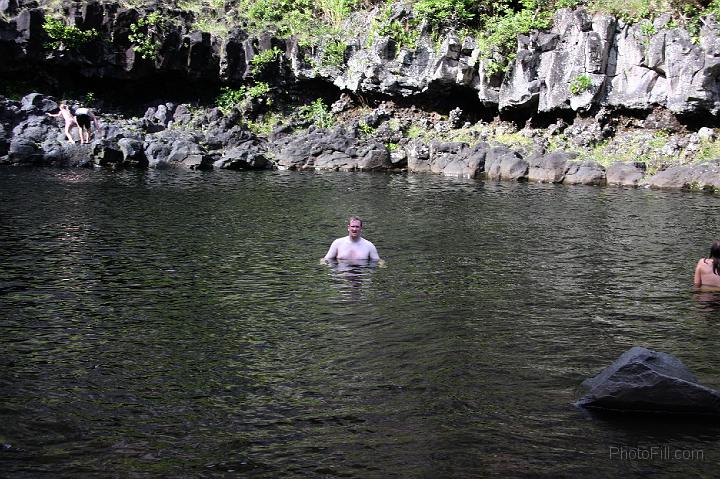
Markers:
617,65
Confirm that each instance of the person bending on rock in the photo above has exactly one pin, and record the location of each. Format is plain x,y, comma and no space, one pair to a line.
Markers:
69,121
352,246
82,118
707,271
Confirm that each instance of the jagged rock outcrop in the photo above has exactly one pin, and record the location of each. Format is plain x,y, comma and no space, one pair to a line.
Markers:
622,66
338,149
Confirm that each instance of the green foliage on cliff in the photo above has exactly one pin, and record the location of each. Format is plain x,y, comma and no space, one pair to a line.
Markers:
231,98
331,25
444,13
318,114
580,84
144,33
333,53
62,36
264,58
498,36
405,33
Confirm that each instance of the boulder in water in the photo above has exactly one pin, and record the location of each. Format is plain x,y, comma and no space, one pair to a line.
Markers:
646,381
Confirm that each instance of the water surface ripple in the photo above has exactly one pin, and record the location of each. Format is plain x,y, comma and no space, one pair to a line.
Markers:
164,324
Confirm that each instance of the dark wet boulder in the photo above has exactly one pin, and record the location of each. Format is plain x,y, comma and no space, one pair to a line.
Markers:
157,153
319,149
502,163
66,154
187,153
588,172
106,153
24,151
693,177
133,152
37,129
373,157
624,174
493,159
470,164
37,102
247,156
4,143
550,168
673,177
418,157
646,381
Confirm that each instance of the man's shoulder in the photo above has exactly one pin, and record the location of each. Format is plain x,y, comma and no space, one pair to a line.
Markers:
367,242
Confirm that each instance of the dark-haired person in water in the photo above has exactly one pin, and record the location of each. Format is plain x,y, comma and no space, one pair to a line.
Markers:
707,271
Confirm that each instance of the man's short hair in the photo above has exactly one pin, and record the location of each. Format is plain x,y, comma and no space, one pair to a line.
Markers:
355,218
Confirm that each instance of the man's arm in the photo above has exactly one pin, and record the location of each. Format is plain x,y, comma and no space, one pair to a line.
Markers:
374,256
332,252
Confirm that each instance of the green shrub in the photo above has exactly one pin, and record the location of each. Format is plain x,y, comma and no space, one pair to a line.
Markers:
318,114
647,29
442,13
66,36
404,34
333,53
499,33
580,84
568,3
231,98
264,58
365,129
143,33
631,11
283,17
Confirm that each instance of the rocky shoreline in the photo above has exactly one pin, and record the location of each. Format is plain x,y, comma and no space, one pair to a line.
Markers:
175,136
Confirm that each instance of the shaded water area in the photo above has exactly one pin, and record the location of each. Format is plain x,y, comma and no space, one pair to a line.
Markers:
177,324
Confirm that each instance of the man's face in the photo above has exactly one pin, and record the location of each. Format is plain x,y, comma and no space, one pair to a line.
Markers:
354,229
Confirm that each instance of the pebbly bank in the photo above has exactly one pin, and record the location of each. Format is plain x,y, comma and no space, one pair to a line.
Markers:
379,96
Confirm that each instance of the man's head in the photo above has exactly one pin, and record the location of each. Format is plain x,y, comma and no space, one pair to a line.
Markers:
354,227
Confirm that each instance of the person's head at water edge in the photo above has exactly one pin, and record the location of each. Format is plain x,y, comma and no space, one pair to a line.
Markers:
707,271
355,226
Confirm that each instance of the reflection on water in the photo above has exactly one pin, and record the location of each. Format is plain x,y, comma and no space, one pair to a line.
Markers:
707,299
174,324
352,276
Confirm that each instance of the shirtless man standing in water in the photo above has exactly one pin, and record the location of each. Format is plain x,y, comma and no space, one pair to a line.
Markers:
352,246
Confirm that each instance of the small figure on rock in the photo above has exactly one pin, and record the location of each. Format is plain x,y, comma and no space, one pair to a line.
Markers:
353,246
69,121
707,271
83,116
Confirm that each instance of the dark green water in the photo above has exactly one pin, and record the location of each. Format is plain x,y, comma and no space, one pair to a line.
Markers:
177,324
